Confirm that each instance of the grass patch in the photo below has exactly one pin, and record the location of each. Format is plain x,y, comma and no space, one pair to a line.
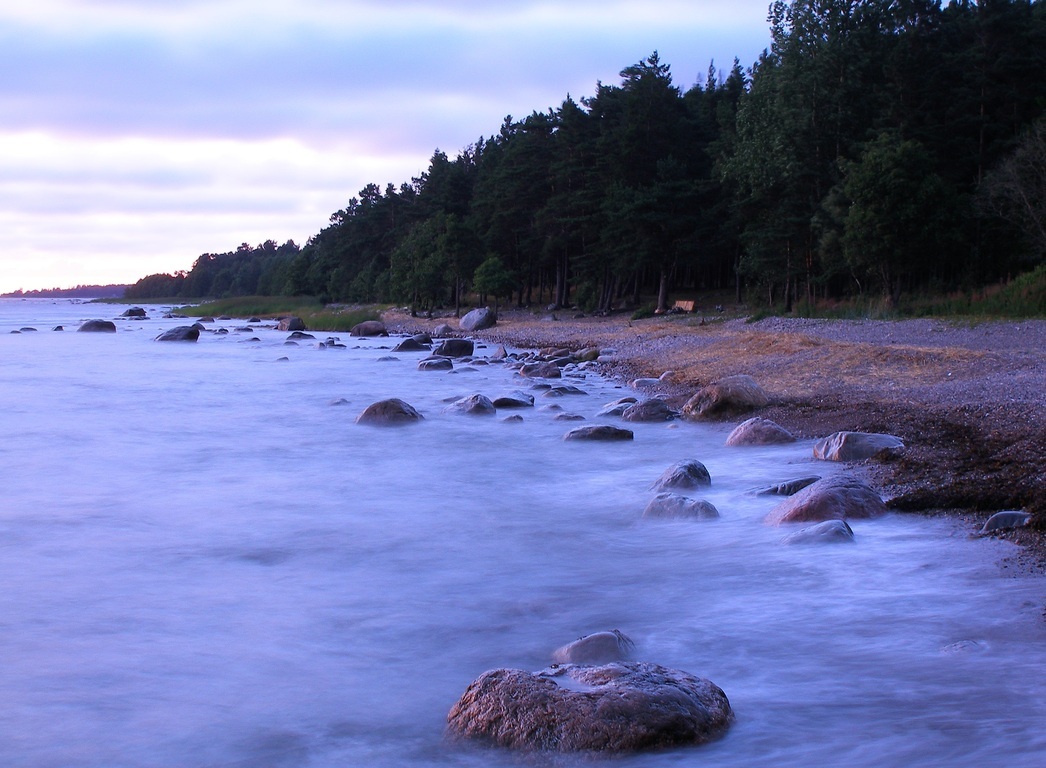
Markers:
316,316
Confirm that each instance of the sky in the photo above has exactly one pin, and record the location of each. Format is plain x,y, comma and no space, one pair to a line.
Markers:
136,135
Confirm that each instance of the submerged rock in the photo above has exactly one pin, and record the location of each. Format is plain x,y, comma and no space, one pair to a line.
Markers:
411,345
833,498
98,326
388,413
597,648
828,532
436,364
473,405
855,446
651,410
369,328
668,505
759,431
180,333
690,473
614,708
514,400
788,487
603,432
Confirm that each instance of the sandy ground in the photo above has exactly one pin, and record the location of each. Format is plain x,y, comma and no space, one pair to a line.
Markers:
969,400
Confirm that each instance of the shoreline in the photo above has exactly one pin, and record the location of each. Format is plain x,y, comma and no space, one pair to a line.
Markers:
967,399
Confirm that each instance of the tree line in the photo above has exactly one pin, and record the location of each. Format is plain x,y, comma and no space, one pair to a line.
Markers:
876,147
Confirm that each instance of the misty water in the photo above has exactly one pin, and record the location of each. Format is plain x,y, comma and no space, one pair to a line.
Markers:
206,563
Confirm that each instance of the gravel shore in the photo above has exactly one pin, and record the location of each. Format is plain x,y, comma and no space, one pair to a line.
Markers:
968,399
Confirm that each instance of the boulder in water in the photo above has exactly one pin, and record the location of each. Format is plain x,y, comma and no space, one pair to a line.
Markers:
369,328
180,333
614,708
788,487
690,473
541,370
669,505
597,648
652,410
473,405
828,532
98,326
455,348
389,413
833,498
759,431
291,324
599,432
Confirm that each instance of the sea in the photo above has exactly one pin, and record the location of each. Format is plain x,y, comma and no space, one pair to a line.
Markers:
206,562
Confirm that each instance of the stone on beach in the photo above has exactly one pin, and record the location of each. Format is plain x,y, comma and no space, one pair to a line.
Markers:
855,446
1002,521
369,328
597,648
614,708
759,431
542,370
478,320
674,505
391,412
833,498
689,473
733,394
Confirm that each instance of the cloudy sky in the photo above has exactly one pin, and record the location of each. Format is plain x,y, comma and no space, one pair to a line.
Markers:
137,134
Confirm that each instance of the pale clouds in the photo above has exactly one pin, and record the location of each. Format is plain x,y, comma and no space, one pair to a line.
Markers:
135,135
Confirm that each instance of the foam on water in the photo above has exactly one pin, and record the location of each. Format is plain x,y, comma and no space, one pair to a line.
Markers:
205,563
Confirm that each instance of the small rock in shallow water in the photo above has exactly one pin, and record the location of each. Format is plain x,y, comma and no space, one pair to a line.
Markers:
683,474
597,648
828,532
669,505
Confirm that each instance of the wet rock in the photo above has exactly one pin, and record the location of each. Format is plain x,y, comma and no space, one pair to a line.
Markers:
98,326
180,333
134,312
828,532
369,328
597,648
455,348
734,394
389,413
478,320
441,331
422,338
513,419
856,446
788,487
569,417
614,708
833,498
411,345
1002,521
500,354
473,405
759,431
338,401
689,473
587,355
291,324
674,505
645,383
541,370
296,335
435,364
652,410
602,432
514,400
614,410
58,328
26,329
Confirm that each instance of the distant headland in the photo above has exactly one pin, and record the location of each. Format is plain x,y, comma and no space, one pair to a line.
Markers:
79,292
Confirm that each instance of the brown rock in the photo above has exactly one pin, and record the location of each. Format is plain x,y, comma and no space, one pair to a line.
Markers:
389,413
289,324
734,394
651,410
759,431
619,707
855,446
833,498
369,328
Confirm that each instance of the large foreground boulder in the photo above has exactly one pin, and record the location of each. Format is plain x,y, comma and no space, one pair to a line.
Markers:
180,333
734,394
478,320
855,446
614,708
369,328
759,431
833,498
389,413
597,648
98,326
603,432
689,473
